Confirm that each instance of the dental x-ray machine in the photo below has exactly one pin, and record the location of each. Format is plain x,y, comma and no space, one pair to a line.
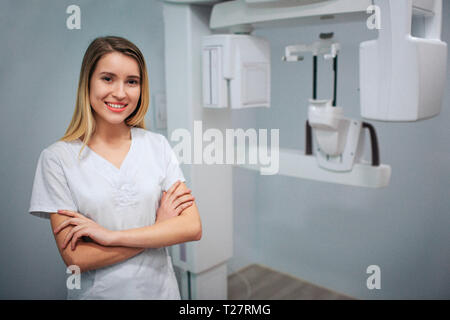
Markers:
223,67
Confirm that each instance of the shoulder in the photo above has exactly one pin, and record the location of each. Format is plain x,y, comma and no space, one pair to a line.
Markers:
59,152
56,147
157,140
48,158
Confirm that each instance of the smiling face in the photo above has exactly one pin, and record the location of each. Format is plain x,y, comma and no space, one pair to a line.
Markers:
114,88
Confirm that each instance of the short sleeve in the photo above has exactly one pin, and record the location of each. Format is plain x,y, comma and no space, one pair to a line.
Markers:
50,191
173,171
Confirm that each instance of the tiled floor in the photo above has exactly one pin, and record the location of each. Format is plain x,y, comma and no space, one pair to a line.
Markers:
256,282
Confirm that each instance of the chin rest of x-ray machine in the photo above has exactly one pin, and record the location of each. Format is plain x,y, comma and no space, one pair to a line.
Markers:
340,140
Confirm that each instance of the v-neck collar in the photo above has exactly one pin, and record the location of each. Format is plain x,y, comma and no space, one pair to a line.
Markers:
125,160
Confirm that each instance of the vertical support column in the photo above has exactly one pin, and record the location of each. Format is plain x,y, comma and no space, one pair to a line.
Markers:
185,25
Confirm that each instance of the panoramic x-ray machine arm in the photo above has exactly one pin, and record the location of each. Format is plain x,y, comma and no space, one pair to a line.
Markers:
402,78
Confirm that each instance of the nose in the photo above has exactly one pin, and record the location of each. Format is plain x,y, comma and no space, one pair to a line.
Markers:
119,92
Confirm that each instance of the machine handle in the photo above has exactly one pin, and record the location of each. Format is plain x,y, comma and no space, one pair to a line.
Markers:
308,148
373,144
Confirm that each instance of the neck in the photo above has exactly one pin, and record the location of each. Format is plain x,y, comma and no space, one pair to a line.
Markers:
111,134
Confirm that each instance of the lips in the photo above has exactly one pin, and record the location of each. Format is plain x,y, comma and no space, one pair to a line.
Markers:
116,106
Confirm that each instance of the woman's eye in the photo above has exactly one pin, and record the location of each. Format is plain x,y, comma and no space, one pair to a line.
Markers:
106,79
133,82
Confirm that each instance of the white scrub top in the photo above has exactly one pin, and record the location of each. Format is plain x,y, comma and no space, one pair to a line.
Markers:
117,199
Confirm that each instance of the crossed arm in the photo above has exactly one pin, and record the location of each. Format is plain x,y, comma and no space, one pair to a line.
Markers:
175,225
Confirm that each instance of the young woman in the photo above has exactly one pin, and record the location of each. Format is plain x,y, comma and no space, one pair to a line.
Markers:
113,191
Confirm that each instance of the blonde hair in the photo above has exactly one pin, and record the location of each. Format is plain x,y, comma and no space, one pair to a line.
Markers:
83,122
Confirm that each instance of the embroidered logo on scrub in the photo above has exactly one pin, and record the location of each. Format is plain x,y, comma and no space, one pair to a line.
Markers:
126,195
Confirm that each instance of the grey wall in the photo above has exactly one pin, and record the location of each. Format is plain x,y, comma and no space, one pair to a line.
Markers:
328,234
40,62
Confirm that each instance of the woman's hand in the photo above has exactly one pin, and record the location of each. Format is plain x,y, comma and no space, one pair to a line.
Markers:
83,227
173,202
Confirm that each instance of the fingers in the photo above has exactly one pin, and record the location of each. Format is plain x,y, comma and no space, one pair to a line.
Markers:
70,235
173,187
183,206
183,199
177,198
77,237
178,193
72,221
174,191
68,213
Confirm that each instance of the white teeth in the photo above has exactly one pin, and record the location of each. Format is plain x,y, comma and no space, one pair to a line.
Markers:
117,106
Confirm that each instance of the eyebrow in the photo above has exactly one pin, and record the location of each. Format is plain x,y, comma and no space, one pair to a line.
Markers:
112,74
